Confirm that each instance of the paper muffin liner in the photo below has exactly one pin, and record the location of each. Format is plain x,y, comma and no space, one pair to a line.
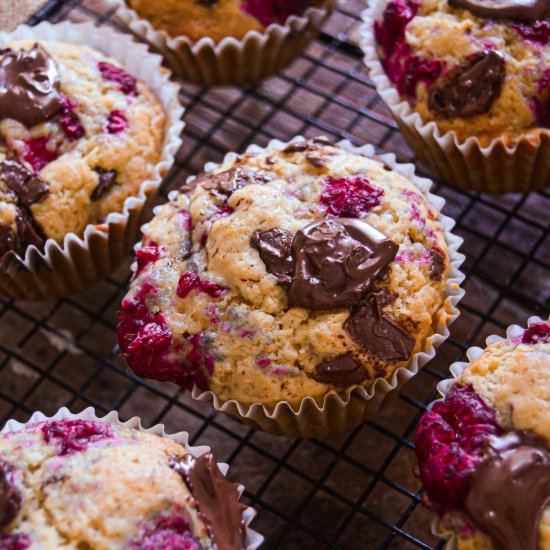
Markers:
65,268
253,539
444,386
506,164
231,61
335,412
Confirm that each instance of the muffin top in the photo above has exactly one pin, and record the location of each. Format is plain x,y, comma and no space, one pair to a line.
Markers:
286,274
217,19
476,67
85,484
78,135
484,451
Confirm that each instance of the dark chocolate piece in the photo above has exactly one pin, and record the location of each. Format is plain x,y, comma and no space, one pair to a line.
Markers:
342,372
107,179
438,264
27,231
297,147
317,159
27,187
226,183
7,239
337,262
217,499
525,10
377,333
274,247
29,86
471,88
10,498
509,490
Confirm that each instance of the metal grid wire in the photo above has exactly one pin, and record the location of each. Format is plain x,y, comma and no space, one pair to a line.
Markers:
351,491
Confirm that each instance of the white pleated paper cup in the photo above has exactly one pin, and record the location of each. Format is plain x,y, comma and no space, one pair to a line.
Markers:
334,412
457,368
62,269
230,61
509,163
253,539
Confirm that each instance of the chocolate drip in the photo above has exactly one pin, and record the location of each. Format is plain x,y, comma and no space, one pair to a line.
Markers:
10,498
29,86
510,489
342,372
525,10
217,499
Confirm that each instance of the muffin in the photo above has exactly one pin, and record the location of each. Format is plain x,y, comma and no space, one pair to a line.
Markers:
287,274
234,42
484,450
75,483
78,136
477,72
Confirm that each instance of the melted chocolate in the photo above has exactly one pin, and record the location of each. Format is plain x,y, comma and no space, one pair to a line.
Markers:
509,490
471,88
27,187
29,86
377,333
342,372
274,247
226,183
10,498
107,179
217,499
337,262
525,10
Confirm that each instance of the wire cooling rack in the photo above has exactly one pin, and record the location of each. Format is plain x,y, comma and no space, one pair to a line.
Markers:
354,491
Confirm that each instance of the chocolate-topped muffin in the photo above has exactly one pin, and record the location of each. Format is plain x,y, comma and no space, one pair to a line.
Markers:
287,274
78,136
76,483
484,450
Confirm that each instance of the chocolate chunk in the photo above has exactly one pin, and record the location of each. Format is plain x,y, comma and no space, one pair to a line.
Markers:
510,488
525,10
10,498
322,141
27,231
317,159
384,296
378,333
342,372
29,86
226,183
7,239
107,179
337,262
217,499
297,147
471,88
27,187
438,264
275,248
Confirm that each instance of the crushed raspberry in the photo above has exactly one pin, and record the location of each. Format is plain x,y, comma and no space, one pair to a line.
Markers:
71,436
191,281
538,31
37,154
220,213
147,255
198,360
274,11
448,446
168,534
264,362
391,30
537,333
116,122
14,541
352,198
125,83
185,218
69,120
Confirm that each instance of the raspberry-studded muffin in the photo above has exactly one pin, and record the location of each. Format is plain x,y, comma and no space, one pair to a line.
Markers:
218,18
479,68
288,273
484,450
78,136
88,484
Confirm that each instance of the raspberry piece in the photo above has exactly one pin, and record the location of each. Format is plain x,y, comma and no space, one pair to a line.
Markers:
537,333
37,154
190,281
147,255
116,122
69,120
125,83
71,436
274,11
351,198
391,30
14,541
448,446
168,534
538,31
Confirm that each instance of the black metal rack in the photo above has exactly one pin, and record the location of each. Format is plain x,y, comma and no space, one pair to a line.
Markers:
351,491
